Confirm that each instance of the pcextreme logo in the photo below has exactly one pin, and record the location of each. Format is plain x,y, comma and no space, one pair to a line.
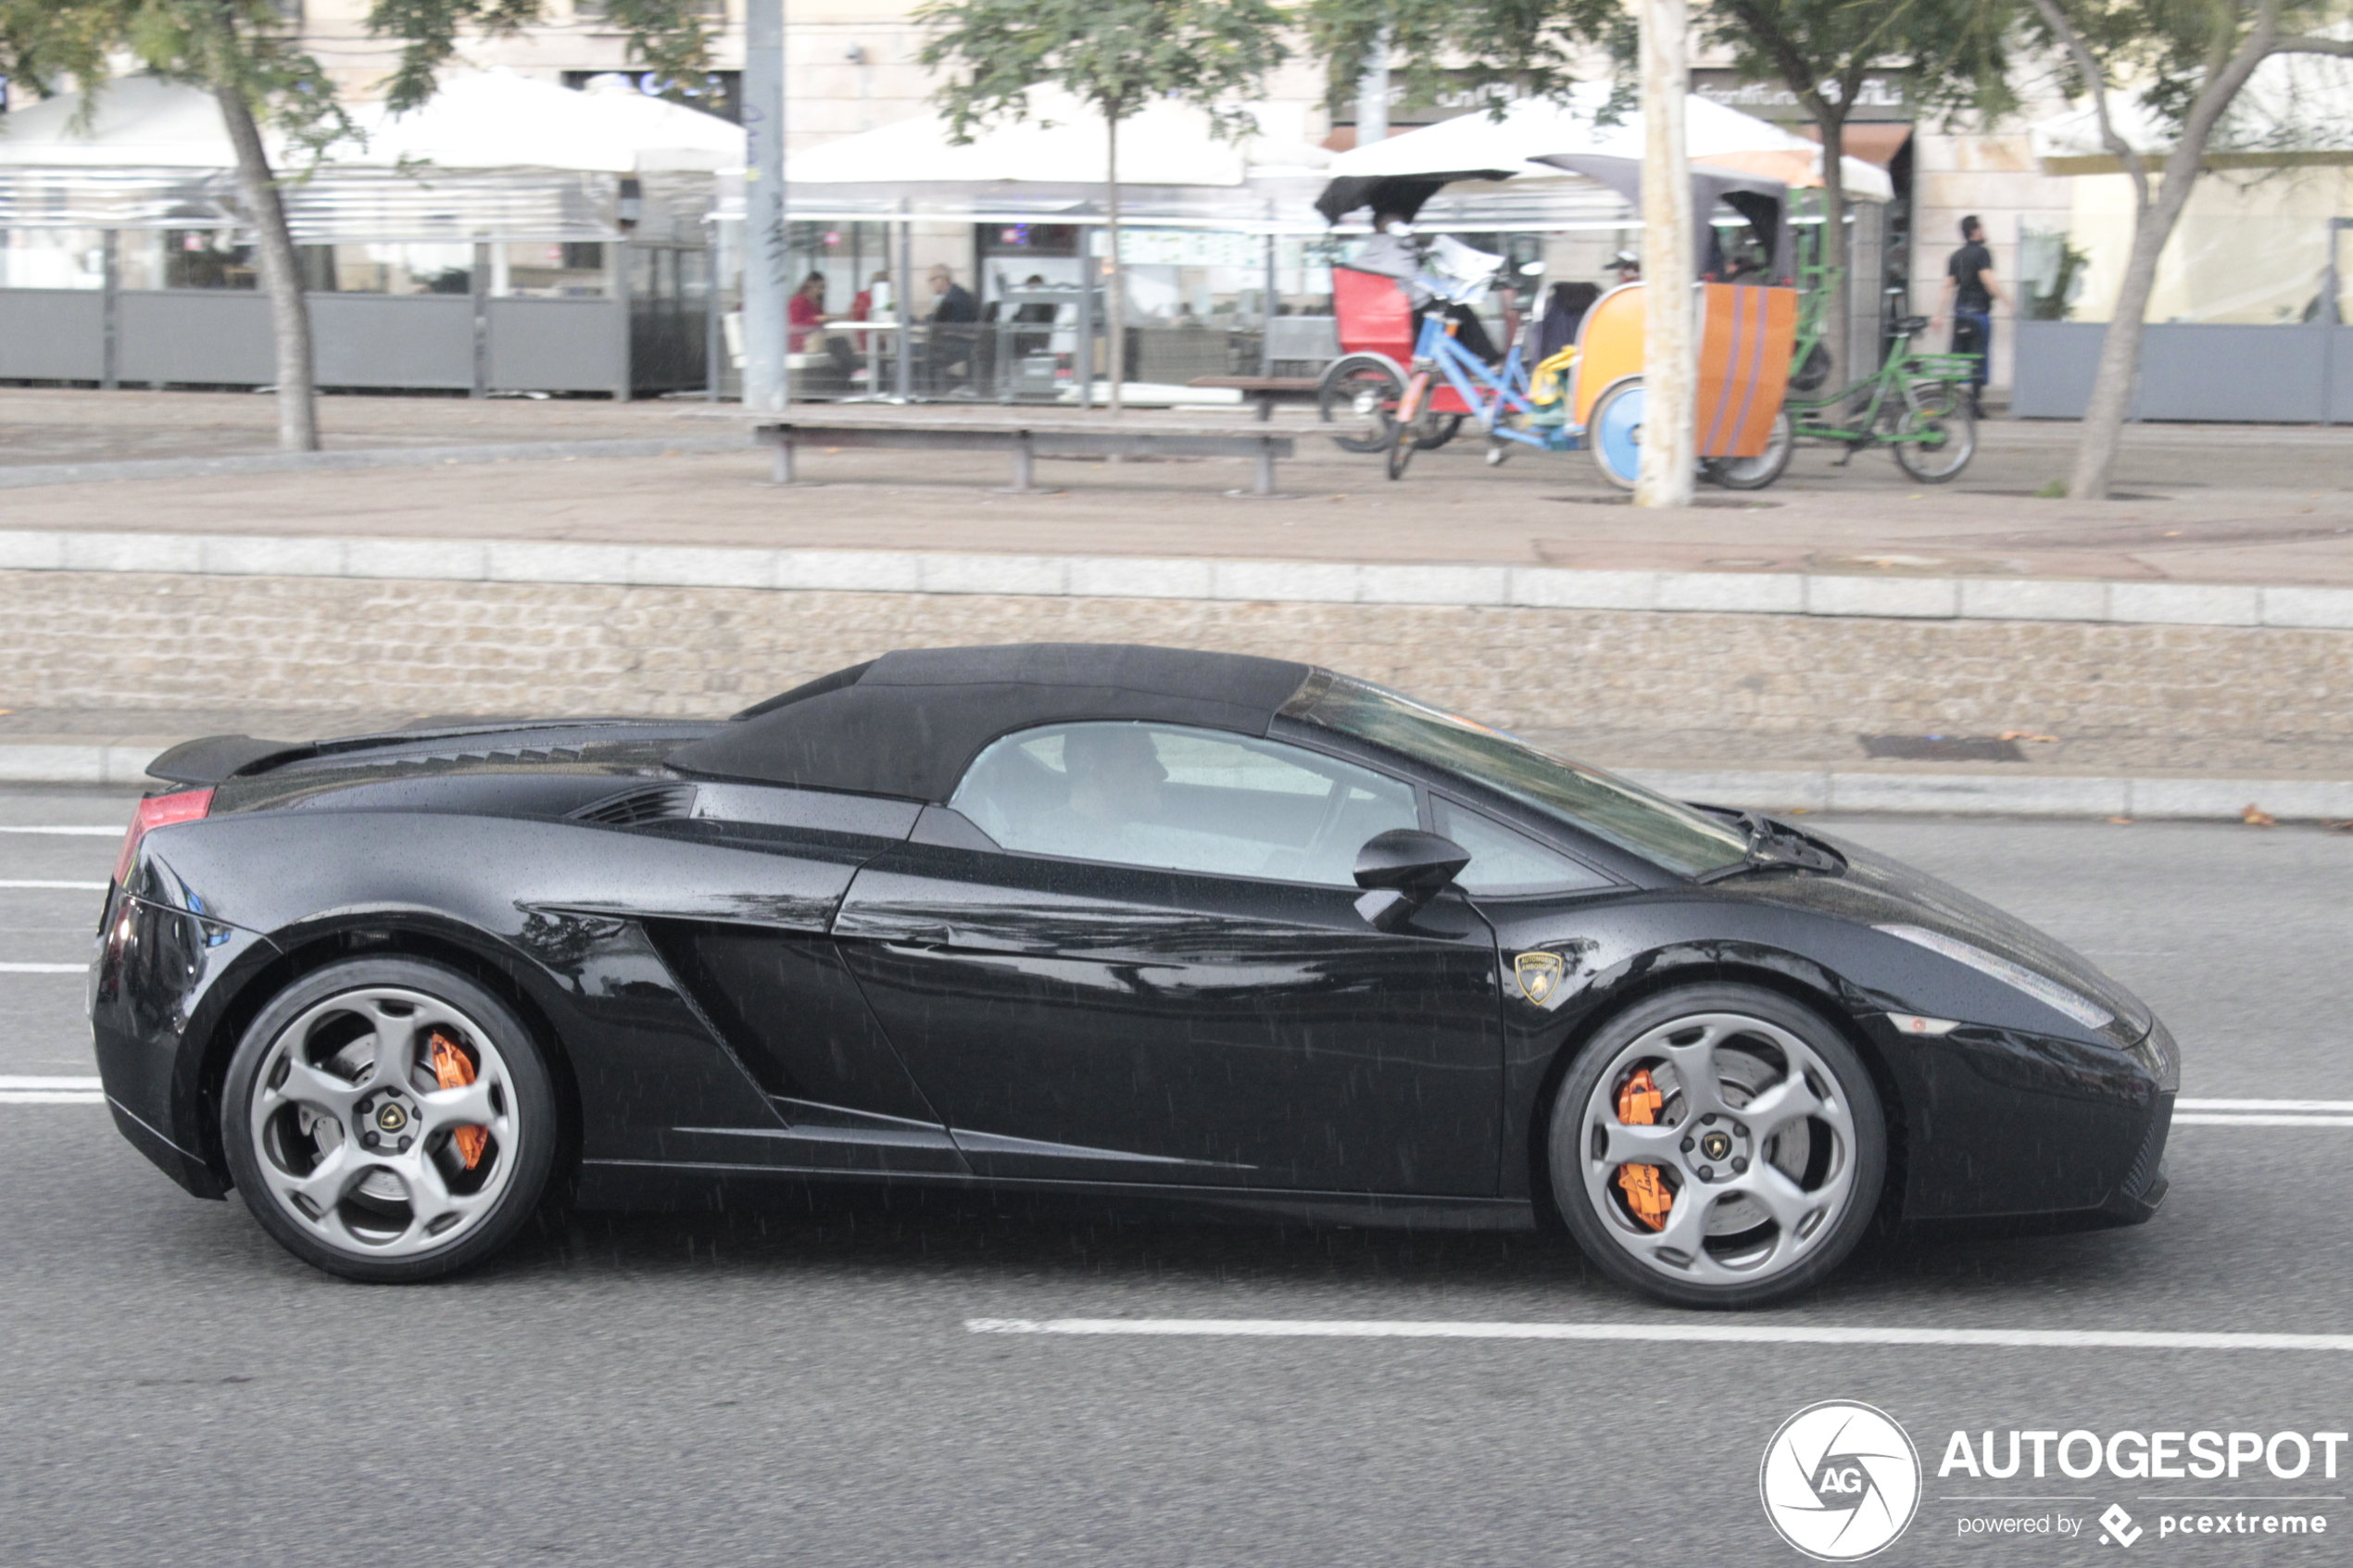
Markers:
1841,1481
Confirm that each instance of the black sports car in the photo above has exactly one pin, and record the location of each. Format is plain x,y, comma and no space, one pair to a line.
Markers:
1231,931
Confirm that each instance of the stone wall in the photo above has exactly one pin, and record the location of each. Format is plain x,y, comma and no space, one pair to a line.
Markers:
98,639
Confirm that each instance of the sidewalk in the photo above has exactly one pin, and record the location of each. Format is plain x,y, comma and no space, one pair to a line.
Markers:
2220,528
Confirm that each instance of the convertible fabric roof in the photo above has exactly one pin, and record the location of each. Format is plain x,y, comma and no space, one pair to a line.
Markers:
909,723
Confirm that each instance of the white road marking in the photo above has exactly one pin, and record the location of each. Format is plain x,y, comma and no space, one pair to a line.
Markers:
1664,1333
2345,1104
75,832
24,1088
2209,1119
44,969
62,886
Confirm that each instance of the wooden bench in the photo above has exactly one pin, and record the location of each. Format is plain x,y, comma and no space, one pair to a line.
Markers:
1263,390
1026,442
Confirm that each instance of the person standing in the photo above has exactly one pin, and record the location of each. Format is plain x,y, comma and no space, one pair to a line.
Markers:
1970,290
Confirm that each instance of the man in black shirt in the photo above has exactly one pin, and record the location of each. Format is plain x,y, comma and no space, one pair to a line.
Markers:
954,335
1970,290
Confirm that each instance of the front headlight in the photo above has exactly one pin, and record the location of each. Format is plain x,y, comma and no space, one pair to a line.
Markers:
2050,993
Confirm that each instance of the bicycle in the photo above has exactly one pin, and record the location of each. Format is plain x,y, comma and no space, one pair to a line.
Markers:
1496,395
1916,404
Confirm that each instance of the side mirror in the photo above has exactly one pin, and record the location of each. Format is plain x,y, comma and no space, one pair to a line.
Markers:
1401,870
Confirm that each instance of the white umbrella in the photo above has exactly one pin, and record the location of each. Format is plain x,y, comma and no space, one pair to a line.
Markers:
1532,128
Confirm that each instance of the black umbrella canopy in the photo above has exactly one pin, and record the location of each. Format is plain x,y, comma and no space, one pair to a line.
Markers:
1400,193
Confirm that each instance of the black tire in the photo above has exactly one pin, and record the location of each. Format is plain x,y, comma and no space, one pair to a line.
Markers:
1438,430
1756,474
1811,372
1360,378
287,1122
1402,448
1747,1254
1946,414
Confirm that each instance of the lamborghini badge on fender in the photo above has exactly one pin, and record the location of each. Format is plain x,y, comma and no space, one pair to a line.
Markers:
1539,975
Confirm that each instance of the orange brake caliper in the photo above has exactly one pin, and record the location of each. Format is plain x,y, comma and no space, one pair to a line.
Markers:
1646,1193
455,1071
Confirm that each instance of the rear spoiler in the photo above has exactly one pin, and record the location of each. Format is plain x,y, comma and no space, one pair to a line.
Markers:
216,759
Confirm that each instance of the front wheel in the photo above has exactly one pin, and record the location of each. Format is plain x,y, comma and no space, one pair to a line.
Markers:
1754,473
1360,393
1717,1145
389,1120
1438,430
1409,433
1942,438
1616,433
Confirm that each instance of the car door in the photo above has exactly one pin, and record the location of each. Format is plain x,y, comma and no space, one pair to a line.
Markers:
1131,952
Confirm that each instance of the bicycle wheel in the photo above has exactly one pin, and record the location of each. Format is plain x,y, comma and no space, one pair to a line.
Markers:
1359,392
1614,432
1438,430
1754,473
1948,439
1410,424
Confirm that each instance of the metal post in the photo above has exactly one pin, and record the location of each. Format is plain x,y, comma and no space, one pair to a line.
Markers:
110,312
1267,301
478,294
1086,318
766,383
780,467
625,308
1025,464
1262,480
902,294
714,332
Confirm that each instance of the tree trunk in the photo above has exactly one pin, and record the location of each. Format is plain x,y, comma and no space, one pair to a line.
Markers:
1115,304
1670,358
281,275
1836,257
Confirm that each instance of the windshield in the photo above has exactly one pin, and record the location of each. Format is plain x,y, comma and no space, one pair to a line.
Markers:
1624,814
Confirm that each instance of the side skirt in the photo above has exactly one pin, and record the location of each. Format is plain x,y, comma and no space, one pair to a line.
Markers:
657,1187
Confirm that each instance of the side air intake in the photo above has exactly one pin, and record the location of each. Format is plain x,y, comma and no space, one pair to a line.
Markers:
654,803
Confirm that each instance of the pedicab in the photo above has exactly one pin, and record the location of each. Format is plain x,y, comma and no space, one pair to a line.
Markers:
1403,383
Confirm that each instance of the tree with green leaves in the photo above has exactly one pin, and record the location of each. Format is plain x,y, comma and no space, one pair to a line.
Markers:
249,58
2189,59
1949,52
1114,55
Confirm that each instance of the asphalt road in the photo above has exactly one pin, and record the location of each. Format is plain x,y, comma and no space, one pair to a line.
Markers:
803,1387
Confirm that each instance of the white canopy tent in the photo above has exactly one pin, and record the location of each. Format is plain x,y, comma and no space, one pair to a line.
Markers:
1056,163
1533,128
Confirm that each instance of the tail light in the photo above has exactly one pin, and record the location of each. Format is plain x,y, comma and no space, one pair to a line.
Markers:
156,811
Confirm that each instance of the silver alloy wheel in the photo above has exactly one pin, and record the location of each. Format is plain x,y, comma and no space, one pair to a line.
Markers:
355,1139
1753,1137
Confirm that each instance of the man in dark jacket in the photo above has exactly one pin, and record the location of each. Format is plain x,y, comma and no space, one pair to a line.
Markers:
955,316
1970,290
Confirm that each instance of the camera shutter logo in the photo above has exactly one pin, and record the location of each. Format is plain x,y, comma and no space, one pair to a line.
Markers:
1839,1481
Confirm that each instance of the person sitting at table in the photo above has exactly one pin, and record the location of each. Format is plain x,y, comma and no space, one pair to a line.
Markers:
954,329
807,312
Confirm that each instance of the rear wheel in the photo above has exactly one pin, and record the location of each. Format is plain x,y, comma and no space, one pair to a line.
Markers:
1754,473
1438,430
1359,393
1717,1145
1947,436
389,1120
1614,432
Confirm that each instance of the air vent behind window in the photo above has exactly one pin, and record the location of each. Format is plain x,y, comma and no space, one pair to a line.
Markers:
655,803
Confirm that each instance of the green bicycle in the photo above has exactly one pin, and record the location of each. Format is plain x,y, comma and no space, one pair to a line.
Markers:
1917,406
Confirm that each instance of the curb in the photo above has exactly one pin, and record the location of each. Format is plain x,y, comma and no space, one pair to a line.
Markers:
1138,577
1991,795
37,474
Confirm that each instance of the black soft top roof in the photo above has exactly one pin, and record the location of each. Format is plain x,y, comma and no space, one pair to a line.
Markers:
909,723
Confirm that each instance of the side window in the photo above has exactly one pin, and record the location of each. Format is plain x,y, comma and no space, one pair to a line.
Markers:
1505,862
1181,799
